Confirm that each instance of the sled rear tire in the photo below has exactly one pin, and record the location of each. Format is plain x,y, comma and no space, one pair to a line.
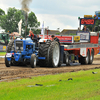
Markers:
91,57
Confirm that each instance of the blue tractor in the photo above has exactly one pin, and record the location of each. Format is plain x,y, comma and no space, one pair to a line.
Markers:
21,51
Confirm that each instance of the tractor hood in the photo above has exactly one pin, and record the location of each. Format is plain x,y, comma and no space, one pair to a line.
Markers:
27,41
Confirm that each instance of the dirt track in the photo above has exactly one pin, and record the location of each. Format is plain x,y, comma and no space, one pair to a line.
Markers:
17,72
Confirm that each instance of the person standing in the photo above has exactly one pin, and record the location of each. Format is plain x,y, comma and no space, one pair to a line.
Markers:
85,29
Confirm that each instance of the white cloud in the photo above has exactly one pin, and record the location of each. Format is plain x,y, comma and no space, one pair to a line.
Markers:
58,21
57,13
4,7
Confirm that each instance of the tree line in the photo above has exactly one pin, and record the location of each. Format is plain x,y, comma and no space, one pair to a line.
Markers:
96,26
10,21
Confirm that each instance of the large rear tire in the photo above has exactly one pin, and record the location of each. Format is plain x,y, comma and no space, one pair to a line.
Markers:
33,61
44,52
7,63
54,54
10,46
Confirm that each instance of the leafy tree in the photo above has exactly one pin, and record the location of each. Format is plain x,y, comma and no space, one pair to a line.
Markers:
10,21
57,33
92,27
2,12
33,22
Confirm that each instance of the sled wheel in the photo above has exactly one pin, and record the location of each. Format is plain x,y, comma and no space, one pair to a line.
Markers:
91,57
67,58
85,60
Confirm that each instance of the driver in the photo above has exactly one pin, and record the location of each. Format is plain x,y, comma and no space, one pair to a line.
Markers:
54,38
33,37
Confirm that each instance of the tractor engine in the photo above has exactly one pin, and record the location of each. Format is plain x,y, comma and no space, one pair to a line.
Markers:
23,46
18,46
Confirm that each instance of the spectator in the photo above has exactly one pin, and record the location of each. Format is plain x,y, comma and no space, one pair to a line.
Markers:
78,29
85,29
54,38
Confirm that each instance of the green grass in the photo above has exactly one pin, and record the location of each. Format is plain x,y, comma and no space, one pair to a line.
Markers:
2,53
84,86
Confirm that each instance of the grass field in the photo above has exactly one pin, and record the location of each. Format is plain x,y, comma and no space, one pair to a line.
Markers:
84,86
2,53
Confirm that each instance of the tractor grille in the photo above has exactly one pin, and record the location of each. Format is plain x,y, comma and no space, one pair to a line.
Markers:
19,46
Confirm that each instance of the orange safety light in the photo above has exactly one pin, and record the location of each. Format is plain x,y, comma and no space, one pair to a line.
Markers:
44,41
94,15
12,53
21,38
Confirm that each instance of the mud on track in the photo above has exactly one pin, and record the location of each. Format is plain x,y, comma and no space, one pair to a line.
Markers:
17,72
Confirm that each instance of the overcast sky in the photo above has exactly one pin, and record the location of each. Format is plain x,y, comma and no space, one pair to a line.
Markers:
61,14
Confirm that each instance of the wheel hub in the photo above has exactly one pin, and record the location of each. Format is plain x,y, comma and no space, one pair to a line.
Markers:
56,55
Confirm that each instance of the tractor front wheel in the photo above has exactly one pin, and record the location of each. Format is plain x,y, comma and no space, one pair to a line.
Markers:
33,61
7,63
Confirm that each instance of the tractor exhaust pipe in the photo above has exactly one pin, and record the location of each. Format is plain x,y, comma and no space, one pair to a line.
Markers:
25,24
25,4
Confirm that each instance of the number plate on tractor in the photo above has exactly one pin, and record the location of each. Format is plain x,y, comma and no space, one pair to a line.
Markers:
8,54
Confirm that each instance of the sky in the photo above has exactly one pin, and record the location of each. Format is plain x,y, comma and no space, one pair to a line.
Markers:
62,14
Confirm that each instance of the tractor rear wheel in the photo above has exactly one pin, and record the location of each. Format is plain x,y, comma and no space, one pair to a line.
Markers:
44,52
7,63
10,45
33,61
9,48
54,54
